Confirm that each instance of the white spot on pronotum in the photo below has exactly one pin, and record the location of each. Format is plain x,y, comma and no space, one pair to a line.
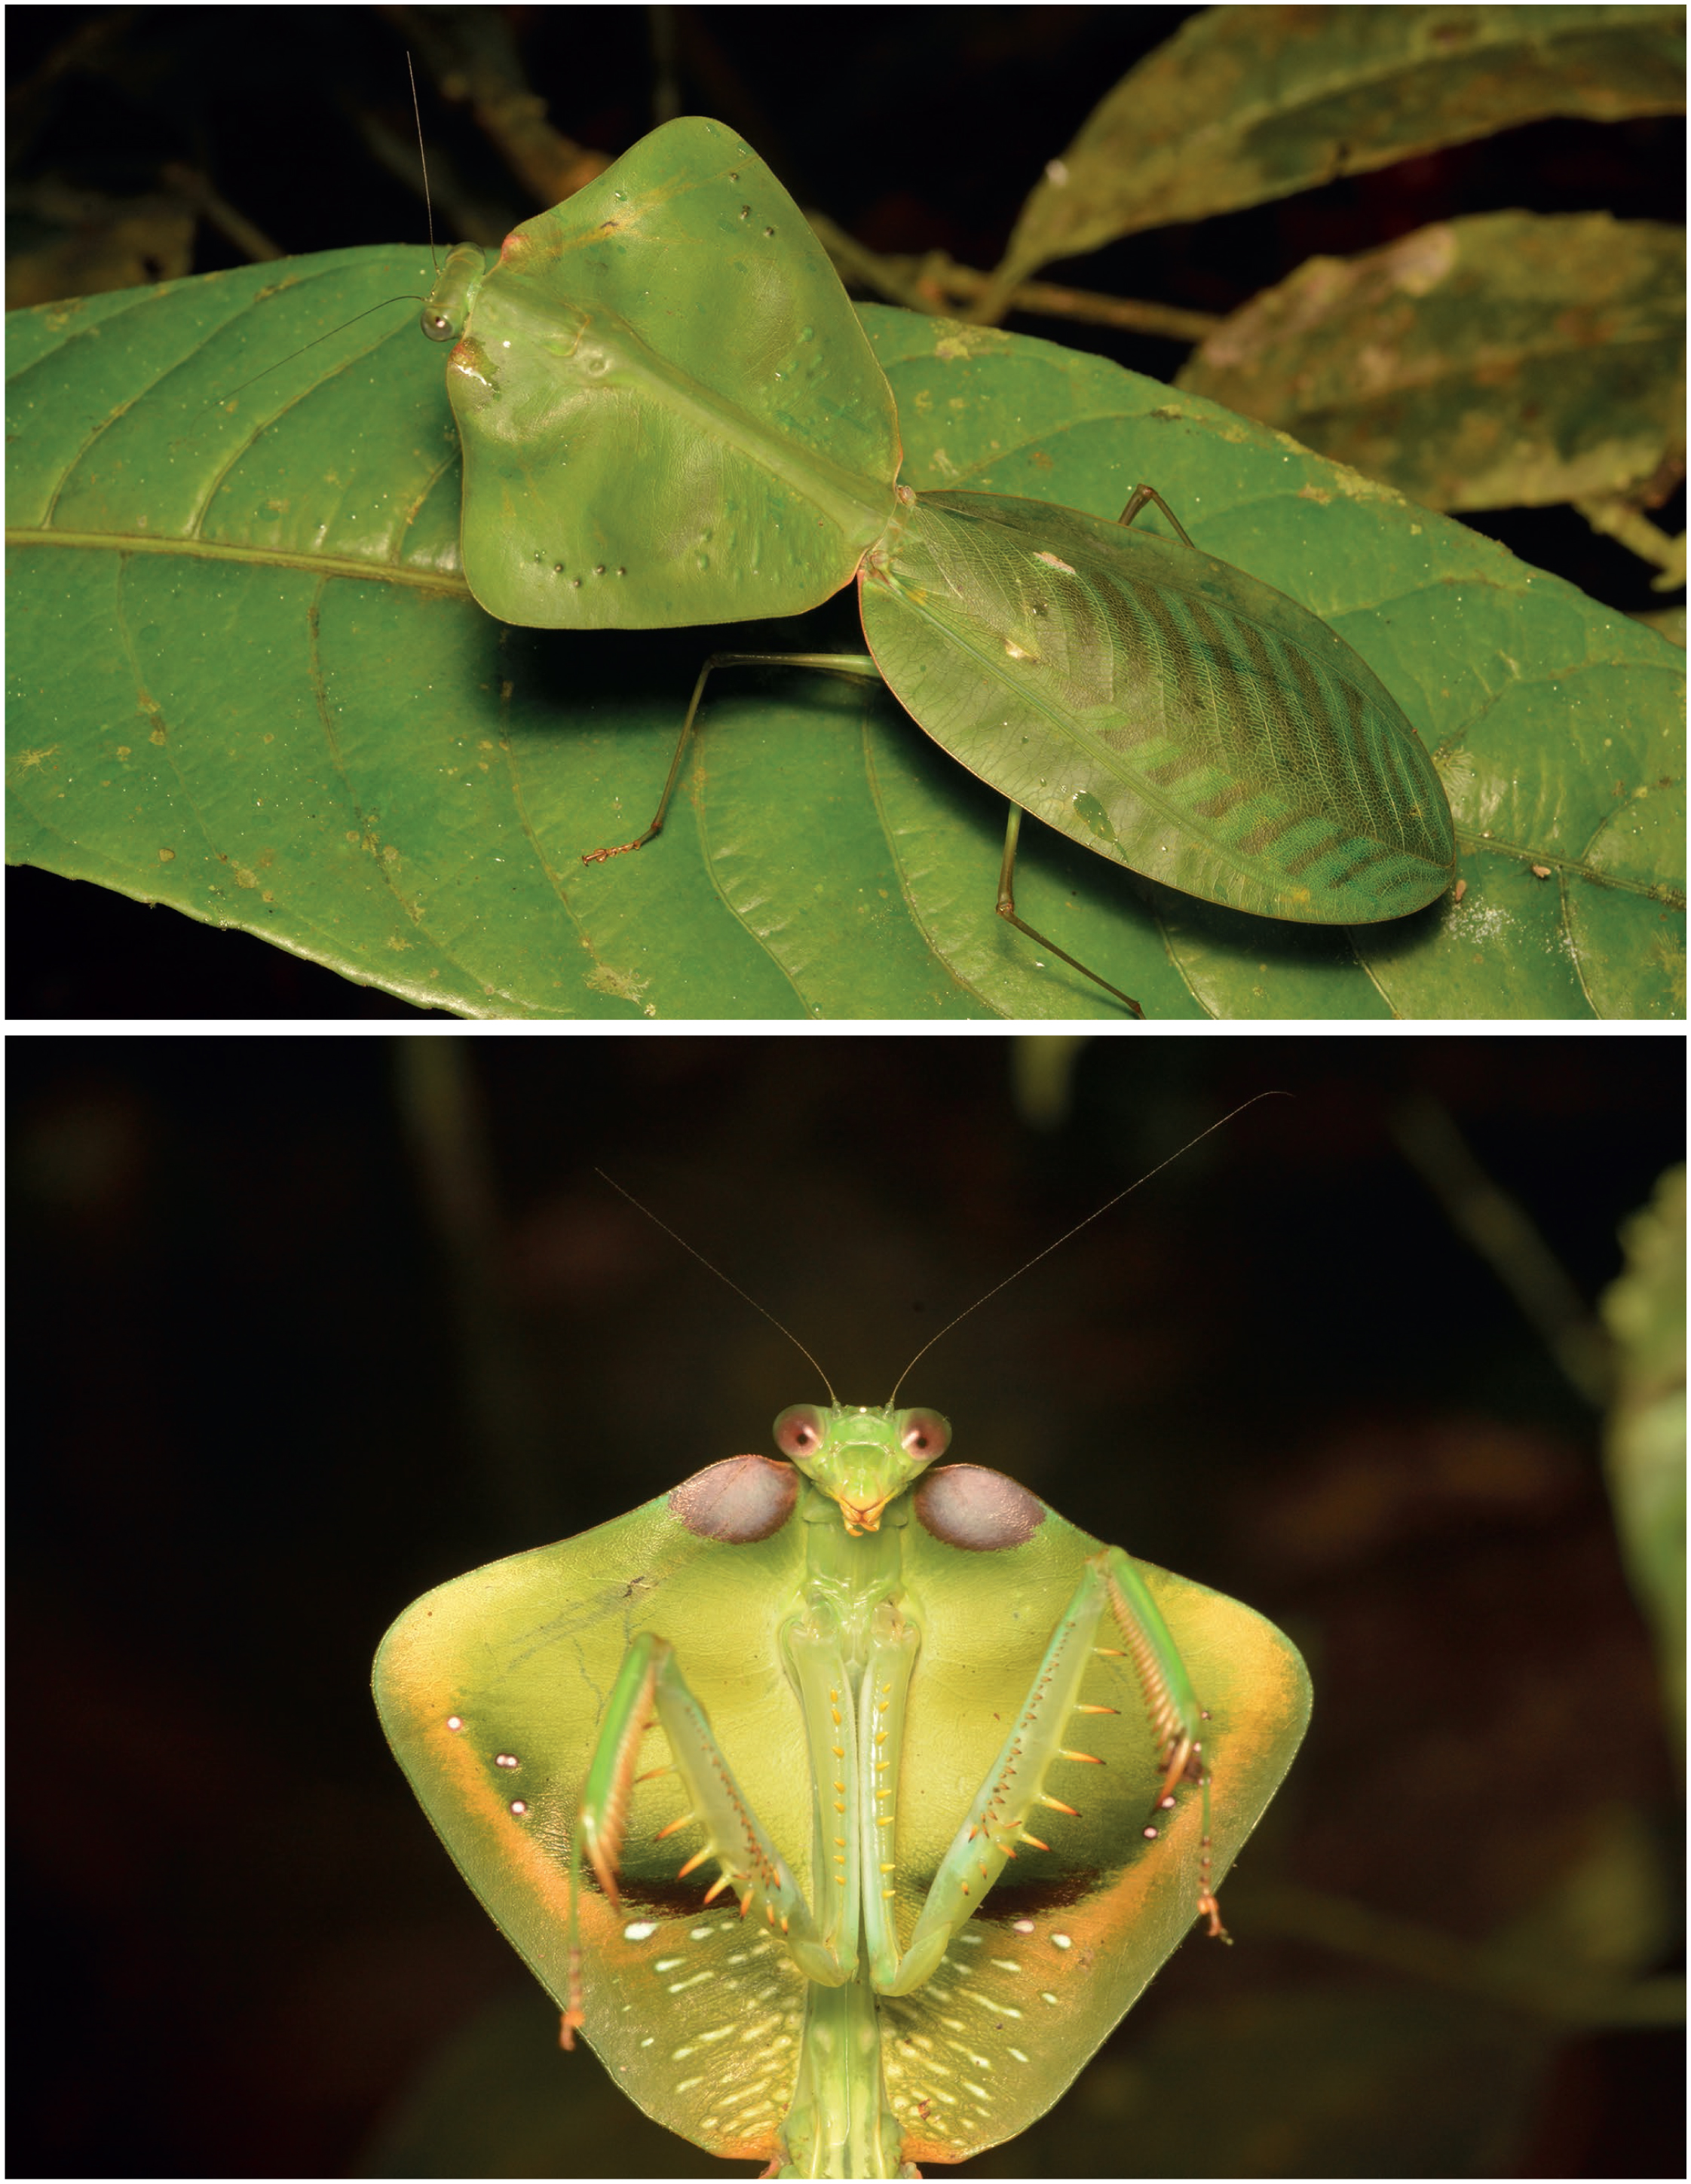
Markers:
1062,1941
642,1930
1051,1998
1051,561
454,1721
1057,174
1015,651
518,1808
699,1934
1151,1833
1166,1804
506,1759
1016,2053
1005,1964
668,1963
1021,1926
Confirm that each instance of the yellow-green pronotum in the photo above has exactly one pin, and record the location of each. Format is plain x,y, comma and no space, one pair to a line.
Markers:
966,1776
670,415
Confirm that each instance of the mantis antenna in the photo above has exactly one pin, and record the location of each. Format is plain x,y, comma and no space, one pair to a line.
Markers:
721,1277
428,212
1098,1214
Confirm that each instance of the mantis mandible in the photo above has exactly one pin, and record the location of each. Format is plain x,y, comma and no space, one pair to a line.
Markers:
669,414
967,1774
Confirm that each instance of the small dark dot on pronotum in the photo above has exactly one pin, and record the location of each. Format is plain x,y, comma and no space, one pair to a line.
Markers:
598,568
557,568
621,572
575,584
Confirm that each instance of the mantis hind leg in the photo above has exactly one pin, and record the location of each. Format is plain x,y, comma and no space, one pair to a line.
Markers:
1141,497
837,663
1007,909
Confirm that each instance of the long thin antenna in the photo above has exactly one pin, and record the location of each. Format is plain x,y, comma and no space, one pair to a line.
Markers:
1098,1214
721,1277
428,209
330,335
428,202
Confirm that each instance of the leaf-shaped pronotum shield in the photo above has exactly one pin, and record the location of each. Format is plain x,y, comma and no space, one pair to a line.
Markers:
492,1689
669,411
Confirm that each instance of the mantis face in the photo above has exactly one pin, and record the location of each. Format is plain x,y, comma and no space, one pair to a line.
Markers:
862,1457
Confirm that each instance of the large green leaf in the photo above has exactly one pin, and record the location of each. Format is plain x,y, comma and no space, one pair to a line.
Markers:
246,679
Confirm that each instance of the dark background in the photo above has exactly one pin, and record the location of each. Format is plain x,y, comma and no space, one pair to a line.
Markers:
915,128
301,1327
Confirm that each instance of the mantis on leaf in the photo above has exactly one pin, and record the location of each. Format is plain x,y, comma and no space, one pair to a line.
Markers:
670,415
933,1736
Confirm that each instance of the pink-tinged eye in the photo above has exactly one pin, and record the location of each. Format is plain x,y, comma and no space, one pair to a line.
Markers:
926,1435
798,1431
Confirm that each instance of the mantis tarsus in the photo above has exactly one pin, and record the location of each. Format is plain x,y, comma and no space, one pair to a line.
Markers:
933,1737
670,415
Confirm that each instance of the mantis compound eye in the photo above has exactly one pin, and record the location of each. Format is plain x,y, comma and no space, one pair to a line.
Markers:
926,1436
798,1431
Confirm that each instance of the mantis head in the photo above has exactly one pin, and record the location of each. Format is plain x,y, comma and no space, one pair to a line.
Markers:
861,1458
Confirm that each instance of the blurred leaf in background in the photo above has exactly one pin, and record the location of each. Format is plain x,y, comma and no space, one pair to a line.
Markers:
1645,1313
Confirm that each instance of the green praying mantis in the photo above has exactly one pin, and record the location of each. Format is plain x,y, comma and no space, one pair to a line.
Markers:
854,1679
670,416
